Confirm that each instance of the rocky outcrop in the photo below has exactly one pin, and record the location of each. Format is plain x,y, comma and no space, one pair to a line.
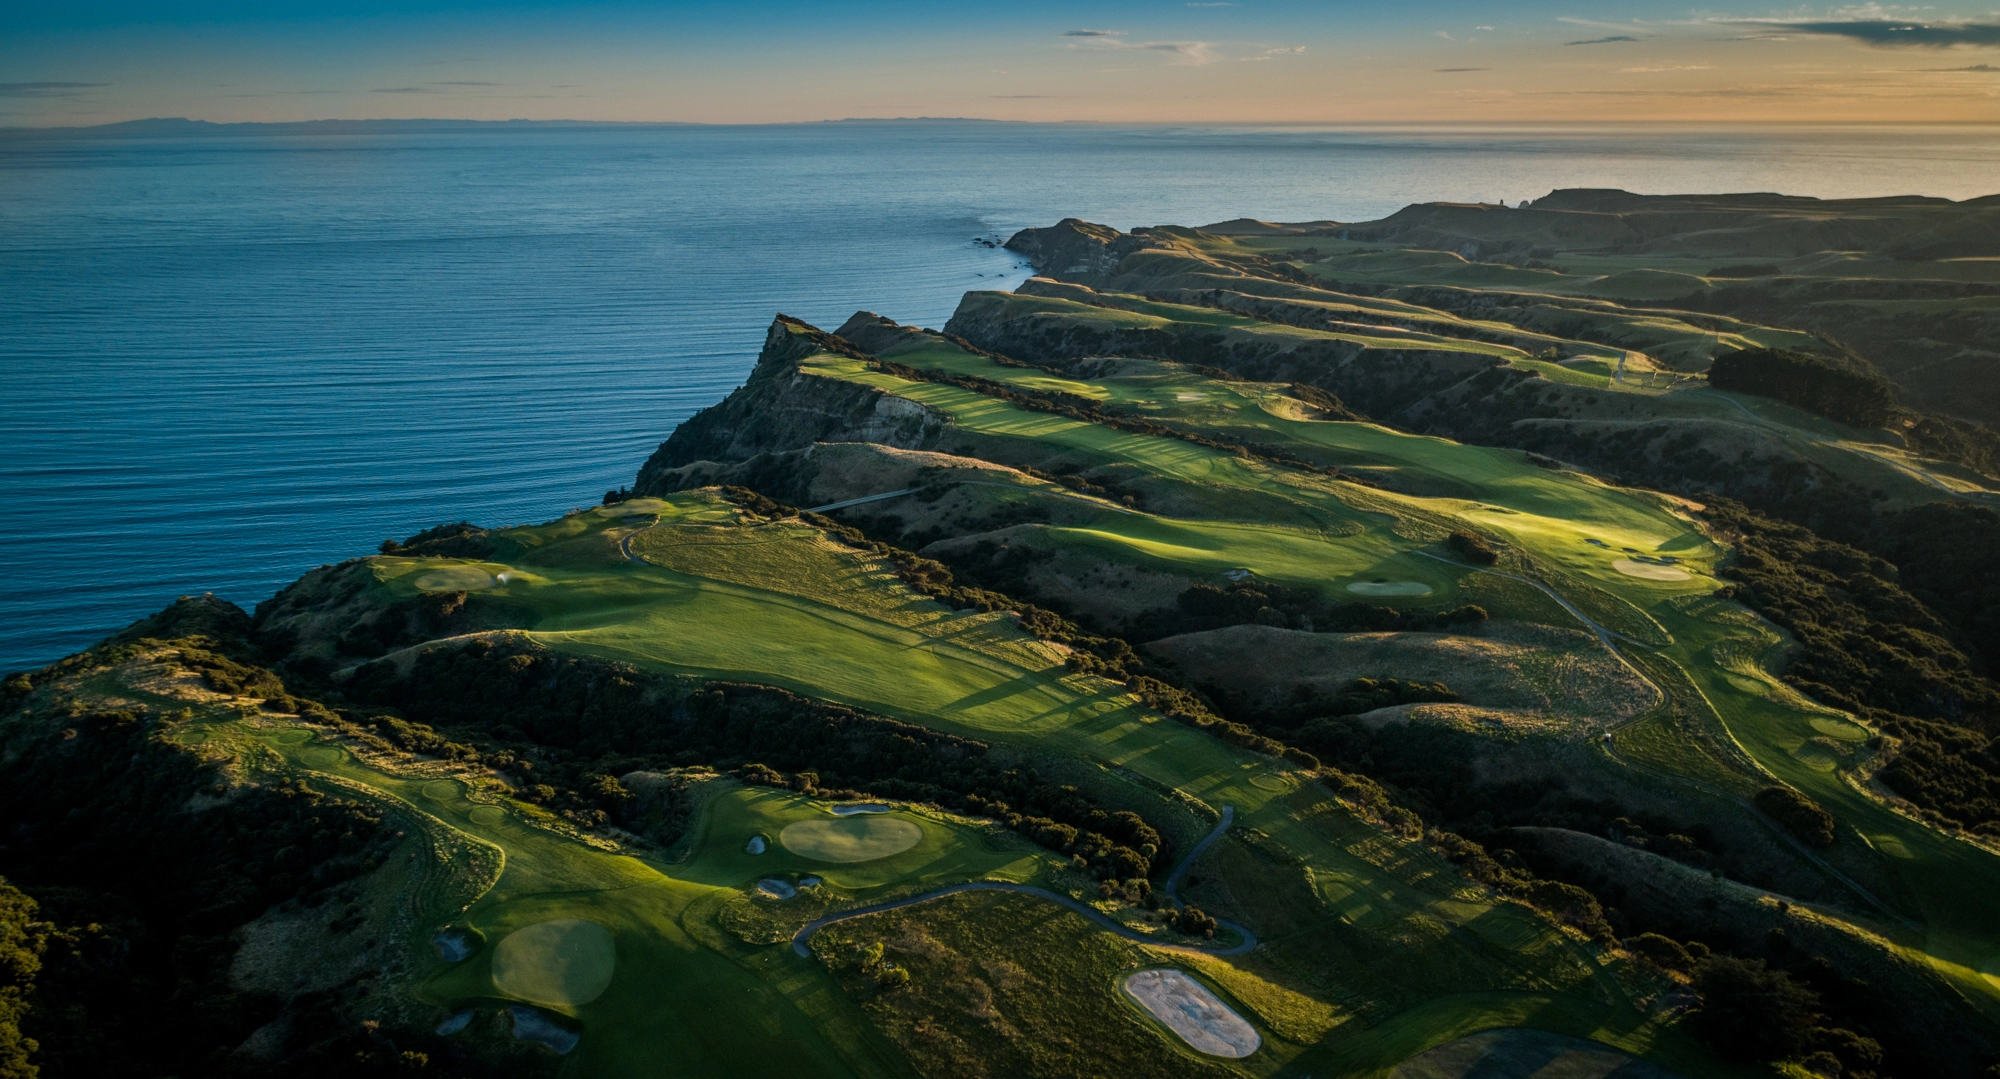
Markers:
1076,250
785,406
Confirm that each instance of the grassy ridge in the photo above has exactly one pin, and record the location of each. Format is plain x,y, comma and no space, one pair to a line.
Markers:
1549,515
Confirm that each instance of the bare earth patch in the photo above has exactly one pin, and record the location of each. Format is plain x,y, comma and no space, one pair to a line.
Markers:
1188,1009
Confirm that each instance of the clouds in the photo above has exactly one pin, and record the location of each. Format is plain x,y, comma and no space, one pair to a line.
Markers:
1455,70
1603,40
1191,53
1884,33
47,89
406,90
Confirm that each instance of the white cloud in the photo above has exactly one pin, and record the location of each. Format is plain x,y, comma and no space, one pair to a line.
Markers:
1191,53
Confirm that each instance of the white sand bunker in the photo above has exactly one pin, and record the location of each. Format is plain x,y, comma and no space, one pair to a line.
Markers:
1650,571
1188,1009
532,1026
451,946
1389,588
1190,397
776,888
458,1021
866,807
568,961
756,845
456,579
851,839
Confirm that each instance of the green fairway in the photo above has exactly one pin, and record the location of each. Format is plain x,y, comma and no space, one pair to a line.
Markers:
1554,518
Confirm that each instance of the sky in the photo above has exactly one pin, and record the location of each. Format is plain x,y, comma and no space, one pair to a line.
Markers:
83,62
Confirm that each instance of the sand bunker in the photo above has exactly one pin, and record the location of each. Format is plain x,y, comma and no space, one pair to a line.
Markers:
459,1021
1650,571
851,810
808,882
568,961
532,1026
851,839
1390,588
1521,1054
451,945
1188,1009
757,845
776,889
1190,397
456,579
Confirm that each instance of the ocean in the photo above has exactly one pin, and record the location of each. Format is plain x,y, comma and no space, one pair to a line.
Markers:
227,358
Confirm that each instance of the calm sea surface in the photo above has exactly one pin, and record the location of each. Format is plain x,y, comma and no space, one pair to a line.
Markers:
225,360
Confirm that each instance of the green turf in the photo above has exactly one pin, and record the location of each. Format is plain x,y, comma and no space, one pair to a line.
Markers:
563,962
850,839
1551,516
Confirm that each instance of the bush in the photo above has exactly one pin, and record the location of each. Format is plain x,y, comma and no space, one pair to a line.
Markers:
1661,951
1749,1012
1472,548
1798,814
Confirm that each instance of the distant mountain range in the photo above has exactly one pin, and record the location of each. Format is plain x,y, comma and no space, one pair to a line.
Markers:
168,127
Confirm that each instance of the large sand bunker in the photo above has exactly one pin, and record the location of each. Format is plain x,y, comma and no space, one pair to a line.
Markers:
1389,588
851,839
1188,1009
865,807
1521,1054
568,961
1650,571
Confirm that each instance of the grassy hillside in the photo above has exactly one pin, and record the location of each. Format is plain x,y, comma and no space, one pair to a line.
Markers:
1331,615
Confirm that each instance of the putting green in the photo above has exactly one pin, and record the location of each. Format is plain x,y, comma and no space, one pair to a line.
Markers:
565,962
1649,571
851,839
1390,588
455,579
488,815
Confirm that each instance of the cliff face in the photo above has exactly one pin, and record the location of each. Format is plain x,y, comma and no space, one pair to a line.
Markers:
783,406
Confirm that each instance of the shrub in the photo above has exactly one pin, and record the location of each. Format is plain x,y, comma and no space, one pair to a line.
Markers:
1798,814
1472,548
1750,1012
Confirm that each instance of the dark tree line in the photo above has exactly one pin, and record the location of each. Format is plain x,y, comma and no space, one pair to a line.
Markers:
1850,391
1872,648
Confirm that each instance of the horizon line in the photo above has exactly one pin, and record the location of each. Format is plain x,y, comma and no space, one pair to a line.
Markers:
525,122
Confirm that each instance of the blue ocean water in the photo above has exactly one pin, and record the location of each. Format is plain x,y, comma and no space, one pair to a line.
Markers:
226,359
